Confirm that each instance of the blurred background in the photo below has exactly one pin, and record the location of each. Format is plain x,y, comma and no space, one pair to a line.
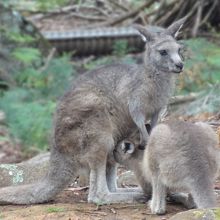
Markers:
44,45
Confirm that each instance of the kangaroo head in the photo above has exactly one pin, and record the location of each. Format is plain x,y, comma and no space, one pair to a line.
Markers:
162,49
128,152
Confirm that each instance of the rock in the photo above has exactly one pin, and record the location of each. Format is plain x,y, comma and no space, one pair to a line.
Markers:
25,172
198,214
35,168
31,171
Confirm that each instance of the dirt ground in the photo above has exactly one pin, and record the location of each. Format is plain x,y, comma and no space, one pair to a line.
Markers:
72,205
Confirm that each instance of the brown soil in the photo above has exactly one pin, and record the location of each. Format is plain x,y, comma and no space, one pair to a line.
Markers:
72,205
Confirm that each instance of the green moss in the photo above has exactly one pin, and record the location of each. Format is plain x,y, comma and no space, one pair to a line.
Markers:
217,213
14,172
55,209
198,214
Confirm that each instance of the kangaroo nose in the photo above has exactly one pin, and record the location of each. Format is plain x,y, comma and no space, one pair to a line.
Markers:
179,66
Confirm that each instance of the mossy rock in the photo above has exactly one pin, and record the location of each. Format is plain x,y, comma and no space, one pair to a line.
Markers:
24,173
198,214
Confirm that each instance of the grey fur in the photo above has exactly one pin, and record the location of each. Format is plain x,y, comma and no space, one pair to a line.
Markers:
101,109
89,122
179,156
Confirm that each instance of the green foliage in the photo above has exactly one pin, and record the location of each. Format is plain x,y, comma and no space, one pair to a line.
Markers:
217,213
19,38
8,3
209,101
29,108
28,120
120,48
30,81
203,66
26,55
55,209
48,5
98,62
52,81
57,77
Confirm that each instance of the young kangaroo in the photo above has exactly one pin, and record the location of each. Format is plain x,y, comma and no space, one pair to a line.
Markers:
100,110
179,156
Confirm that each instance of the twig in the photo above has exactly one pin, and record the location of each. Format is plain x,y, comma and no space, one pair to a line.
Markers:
119,5
181,11
209,35
95,9
39,16
123,17
140,17
163,19
197,19
68,9
94,18
206,98
209,13
77,188
192,10
129,206
182,99
159,10
101,11
48,59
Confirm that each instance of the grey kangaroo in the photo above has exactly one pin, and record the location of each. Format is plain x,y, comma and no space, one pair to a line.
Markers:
179,156
100,110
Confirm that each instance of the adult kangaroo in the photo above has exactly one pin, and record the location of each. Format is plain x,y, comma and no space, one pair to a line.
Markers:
102,109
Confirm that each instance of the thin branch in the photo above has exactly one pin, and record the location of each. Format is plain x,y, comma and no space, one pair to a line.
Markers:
124,8
48,59
163,19
162,6
209,13
197,19
182,9
94,18
123,17
182,99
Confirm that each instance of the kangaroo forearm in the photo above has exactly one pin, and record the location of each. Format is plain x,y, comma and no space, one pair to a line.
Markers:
154,119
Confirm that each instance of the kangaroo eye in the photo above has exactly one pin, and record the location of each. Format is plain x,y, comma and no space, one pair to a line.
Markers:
163,52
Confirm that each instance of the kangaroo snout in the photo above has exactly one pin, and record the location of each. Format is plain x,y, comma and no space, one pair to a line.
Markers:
179,66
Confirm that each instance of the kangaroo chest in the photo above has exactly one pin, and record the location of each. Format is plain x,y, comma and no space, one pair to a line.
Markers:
155,95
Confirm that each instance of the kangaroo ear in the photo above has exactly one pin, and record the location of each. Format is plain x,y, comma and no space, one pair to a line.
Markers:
144,32
148,128
128,147
174,28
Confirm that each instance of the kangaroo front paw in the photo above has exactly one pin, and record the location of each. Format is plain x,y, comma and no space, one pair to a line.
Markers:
114,198
159,211
156,209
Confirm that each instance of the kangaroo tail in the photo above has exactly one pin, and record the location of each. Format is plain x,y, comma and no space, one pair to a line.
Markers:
59,175
203,194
